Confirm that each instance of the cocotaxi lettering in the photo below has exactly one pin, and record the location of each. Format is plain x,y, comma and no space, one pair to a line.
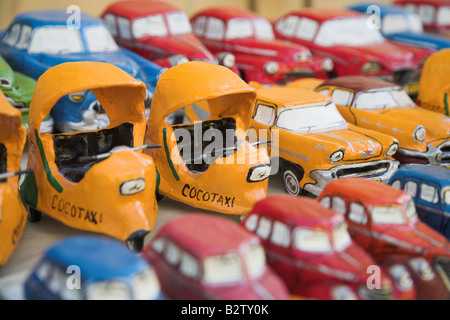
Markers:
206,196
76,212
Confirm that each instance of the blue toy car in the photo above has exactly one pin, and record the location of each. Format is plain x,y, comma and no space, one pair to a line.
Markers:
403,26
429,187
92,268
38,40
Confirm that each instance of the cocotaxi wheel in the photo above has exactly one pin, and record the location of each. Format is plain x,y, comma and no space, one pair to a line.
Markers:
34,215
135,241
291,180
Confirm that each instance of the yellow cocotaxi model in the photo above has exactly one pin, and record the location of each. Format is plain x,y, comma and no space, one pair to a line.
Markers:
434,85
206,164
315,143
13,214
95,180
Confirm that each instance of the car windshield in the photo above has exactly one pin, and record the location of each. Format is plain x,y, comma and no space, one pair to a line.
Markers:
311,118
348,32
246,28
381,99
149,26
311,240
99,39
222,269
391,214
443,16
178,23
255,260
410,209
55,40
341,237
446,196
397,23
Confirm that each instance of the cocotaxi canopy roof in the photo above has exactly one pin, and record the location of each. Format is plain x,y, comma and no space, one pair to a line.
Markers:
194,81
121,95
10,118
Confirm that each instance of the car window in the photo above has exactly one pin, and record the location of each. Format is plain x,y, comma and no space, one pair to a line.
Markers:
178,23
149,26
428,193
110,22
446,196
13,35
410,7
25,36
411,188
264,227
311,240
239,28
410,209
426,13
255,260
99,39
397,184
286,26
199,25
251,222
325,201
214,29
306,29
387,215
280,234
55,40
395,23
263,29
56,280
222,269
443,16
325,92
264,114
158,244
338,205
124,28
189,266
172,253
357,213
43,271
341,237
342,97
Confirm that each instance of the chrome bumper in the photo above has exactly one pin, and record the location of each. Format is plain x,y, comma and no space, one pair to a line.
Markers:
433,155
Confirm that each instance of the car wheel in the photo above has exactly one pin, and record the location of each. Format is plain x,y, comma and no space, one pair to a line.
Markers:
34,215
135,241
159,196
291,180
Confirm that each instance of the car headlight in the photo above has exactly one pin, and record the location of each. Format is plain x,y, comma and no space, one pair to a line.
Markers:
132,187
5,83
302,56
401,277
108,290
371,67
145,285
336,156
271,68
420,133
226,59
327,65
392,149
177,59
343,293
422,268
77,96
258,173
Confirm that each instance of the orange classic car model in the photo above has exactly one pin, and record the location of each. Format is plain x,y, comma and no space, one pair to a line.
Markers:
423,135
207,164
92,180
12,212
313,142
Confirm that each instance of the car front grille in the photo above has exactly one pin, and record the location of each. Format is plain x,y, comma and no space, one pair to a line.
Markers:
365,171
445,149
299,73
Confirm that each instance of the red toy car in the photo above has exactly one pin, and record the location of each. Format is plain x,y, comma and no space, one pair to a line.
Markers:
383,221
159,32
259,56
309,247
205,257
435,14
345,37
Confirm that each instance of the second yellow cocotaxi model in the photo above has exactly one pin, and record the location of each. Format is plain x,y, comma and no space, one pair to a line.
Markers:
206,164
96,180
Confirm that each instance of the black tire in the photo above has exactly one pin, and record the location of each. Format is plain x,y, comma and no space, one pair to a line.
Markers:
159,196
291,180
135,241
34,215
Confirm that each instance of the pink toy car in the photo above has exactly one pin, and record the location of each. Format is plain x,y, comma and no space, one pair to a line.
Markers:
204,257
259,56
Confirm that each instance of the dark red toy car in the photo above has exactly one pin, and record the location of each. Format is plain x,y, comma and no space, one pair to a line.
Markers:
355,48
259,56
309,247
160,32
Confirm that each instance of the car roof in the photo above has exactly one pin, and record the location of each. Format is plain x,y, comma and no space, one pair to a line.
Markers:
99,258
53,17
290,96
204,235
227,12
425,172
324,14
358,83
297,211
368,191
385,8
132,9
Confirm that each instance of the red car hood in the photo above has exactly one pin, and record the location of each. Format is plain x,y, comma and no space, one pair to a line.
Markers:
186,44
276,49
